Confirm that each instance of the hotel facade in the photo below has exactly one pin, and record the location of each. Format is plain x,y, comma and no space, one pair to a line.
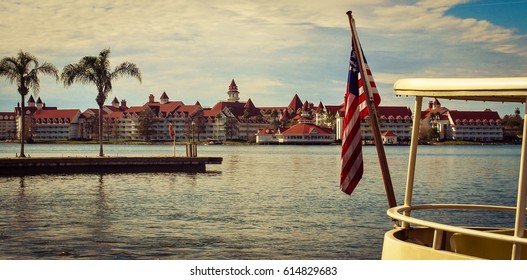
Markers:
235,120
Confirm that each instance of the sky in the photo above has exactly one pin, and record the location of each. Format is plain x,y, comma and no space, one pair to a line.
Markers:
272,49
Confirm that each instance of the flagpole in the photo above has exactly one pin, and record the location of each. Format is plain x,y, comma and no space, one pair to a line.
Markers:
172,132
373,115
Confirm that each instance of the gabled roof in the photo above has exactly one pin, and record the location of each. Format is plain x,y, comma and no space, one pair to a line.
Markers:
394,111
170,106
306,129
90,112
136,109
320,107
189,109
7,114
165,108
207,113
69,114
295,103
237,108
333,109
474,115
428,111
249,105
113,115
110,109
305,106
389,134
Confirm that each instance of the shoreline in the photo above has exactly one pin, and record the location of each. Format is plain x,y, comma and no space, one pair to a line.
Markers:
244,143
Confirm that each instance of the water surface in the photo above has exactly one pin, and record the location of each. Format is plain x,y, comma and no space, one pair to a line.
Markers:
262,202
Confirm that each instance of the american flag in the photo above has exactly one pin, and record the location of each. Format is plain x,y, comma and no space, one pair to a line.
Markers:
355,110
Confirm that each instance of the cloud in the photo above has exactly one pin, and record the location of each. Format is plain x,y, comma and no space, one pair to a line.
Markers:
273,49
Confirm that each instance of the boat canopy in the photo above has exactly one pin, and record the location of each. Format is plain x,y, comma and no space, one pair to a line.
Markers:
512,89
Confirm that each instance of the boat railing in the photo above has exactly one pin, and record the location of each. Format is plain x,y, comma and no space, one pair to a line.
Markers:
401,214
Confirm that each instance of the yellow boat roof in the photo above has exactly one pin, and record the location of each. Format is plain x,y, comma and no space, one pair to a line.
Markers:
512,89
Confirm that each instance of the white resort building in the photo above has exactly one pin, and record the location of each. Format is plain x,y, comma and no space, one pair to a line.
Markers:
298,122
304,132
394,119
483,126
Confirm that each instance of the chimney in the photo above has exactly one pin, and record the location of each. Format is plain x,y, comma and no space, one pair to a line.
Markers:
123,105
151,98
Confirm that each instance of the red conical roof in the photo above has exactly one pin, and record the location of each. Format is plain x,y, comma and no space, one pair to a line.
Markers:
233,86
295,103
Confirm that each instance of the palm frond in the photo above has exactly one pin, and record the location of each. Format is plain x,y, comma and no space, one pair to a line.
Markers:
79,72
31,79
127,69
104,59
26,62
24,70
9,70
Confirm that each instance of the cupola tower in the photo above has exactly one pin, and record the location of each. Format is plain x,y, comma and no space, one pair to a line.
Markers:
233,92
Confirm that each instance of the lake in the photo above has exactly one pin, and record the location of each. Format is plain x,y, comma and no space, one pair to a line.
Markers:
262,202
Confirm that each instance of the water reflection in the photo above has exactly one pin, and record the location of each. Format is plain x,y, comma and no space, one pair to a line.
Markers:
102,206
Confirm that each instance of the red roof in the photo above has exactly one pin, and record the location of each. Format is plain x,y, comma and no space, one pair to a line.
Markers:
394,111
481,115
8,114
237,108
295,103
136,109
189,109
427,112
279,109
333,109
170,106
389,133
69,114
112,108
113,115
307,128
233,86
207,113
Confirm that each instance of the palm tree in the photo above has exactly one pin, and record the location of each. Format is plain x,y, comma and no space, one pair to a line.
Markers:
24,70
96,70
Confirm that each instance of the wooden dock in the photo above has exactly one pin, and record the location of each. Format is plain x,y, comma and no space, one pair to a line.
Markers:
58,165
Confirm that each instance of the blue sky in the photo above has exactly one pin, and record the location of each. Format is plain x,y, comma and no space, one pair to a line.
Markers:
273,49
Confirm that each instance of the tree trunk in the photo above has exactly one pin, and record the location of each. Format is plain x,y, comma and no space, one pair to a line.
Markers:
101,153
22,127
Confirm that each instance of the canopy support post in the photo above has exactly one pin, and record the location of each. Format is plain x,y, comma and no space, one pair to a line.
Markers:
519,228
414,141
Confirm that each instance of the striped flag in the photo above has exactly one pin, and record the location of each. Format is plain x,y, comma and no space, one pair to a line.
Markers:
355,110
171,130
